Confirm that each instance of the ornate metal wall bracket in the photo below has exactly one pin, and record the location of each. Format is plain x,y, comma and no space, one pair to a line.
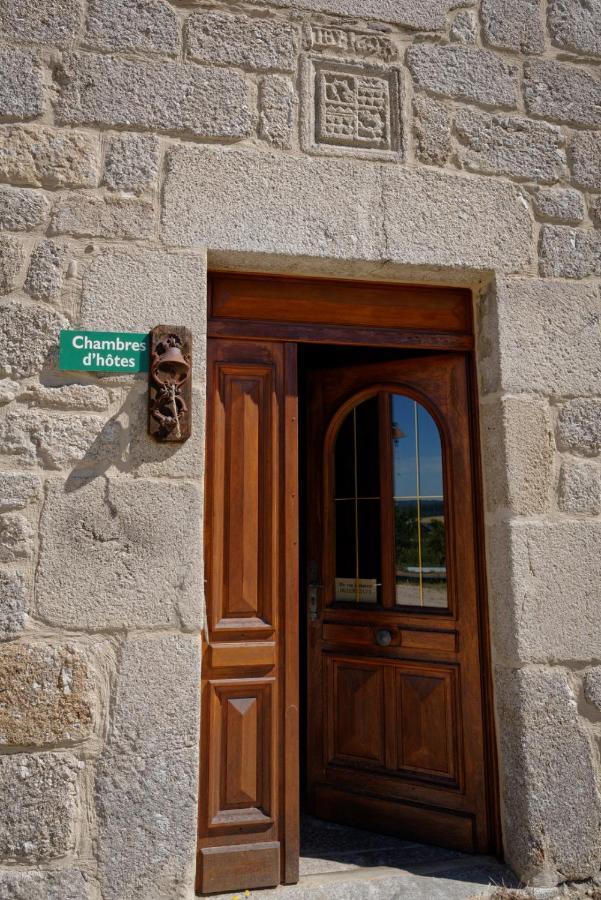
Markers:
170,384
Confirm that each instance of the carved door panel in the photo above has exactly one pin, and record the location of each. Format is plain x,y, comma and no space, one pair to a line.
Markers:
248,815
395,719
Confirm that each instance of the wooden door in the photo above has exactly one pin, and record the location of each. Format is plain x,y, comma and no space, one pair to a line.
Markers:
248,811
395,718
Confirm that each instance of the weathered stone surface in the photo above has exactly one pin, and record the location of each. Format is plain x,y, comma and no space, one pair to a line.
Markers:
561,92
125,289
8,390
463,73
510,145
273,203
13,605
146,457
549,780
224,39
206,102
22,209
514,25
104,560
109,217
155,707
464,29
46,270
547,338
595,211
89,397
580,488
52,22
576,25
146,811
21,85
422,15
277,105
592,686
569,253
12,257
559,205
62,884
38,823
27,335
16,538
585,159
579,426
48,157
517,444
432,126
46,694
242,200
544,581
57,441
148,27
435,218
18,489
132,162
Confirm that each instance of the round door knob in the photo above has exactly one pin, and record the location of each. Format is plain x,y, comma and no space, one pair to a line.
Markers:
383,637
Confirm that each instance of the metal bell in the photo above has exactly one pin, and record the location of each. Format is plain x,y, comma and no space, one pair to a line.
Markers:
171,367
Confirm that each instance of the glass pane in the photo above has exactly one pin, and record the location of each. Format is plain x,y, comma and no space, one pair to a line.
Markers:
403,446
419,523
406,553
357,465
357,506
368,458
344,459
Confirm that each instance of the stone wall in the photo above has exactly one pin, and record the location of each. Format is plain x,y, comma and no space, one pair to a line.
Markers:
434,140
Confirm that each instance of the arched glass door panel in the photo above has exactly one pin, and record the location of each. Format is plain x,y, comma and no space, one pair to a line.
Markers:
389,519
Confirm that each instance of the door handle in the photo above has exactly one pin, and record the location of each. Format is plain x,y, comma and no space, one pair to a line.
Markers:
383,637
312,595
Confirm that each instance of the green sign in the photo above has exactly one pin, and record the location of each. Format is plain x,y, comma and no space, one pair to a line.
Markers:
103,351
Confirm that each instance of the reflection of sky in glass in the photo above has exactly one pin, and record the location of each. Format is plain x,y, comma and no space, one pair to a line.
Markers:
404,463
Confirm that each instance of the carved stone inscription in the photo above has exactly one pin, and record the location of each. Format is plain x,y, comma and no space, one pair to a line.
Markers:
352,110
356,43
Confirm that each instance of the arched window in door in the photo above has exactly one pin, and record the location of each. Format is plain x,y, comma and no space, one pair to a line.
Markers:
388,506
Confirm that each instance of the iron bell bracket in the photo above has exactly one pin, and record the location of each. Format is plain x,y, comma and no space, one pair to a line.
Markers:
170,384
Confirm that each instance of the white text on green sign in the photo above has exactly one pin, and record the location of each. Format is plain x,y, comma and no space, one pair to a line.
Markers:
103,351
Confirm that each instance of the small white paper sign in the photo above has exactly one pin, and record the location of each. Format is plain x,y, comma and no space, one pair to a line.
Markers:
358,590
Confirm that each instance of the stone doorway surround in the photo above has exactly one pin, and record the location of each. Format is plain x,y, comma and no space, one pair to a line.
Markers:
113,210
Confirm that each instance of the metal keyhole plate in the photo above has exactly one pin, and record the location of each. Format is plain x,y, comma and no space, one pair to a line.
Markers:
383,637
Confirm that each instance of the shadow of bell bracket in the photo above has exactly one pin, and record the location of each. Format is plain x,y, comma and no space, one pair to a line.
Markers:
170,384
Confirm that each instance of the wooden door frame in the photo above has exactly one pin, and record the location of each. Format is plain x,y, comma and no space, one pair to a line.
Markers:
256,307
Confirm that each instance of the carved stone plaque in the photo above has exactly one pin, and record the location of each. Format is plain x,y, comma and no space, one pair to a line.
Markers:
349,42
351,108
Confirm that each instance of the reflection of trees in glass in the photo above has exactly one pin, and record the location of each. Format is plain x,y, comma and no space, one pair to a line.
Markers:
433,543
433,535
407,550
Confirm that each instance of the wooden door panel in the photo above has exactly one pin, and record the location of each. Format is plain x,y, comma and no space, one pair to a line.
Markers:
241,755
356,704
245,543
414,821
226,868
249,782
426,709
